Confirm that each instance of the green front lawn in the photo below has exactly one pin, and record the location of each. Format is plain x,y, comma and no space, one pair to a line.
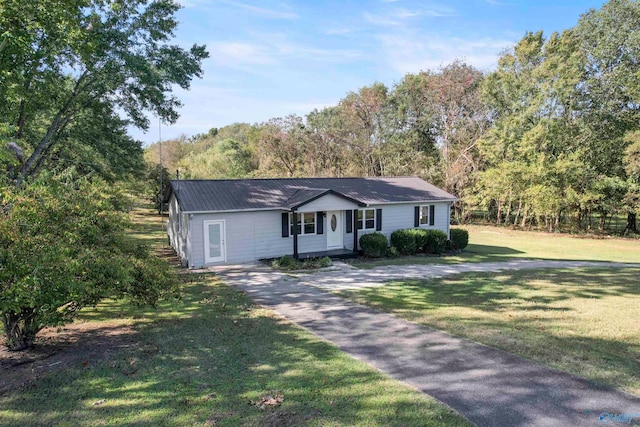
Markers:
216,359
583,321
495,244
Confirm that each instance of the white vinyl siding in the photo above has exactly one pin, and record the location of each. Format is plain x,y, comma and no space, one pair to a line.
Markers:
251,236
399,216
254,235
328,202
177,230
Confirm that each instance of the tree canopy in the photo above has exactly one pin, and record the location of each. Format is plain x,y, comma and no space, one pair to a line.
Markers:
64,246
67,68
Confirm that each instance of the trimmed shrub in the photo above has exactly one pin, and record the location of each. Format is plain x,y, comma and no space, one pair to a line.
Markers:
374,245
392,252
285,262
422,239
404,241
324,262
436,241
459,238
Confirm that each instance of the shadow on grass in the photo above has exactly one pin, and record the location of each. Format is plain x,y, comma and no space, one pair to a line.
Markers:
492,291
209,360
579,320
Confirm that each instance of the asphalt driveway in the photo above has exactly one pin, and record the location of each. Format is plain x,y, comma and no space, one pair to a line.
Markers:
489,387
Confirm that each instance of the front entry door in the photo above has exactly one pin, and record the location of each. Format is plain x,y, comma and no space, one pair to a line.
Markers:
214,238
334,230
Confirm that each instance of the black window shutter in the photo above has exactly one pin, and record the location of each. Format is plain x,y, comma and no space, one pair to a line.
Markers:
285,224
416,216
432,211
378,219
349,226
319,223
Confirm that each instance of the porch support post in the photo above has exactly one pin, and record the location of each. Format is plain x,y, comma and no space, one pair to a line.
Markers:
355,231
294,220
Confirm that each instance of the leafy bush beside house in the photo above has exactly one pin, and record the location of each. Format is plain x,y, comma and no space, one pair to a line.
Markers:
374,245
459,238
404,241
436,241
413,240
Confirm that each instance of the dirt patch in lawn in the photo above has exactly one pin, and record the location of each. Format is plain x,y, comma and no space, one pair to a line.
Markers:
78,344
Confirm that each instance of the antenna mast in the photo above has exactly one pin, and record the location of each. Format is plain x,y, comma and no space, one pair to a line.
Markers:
161,175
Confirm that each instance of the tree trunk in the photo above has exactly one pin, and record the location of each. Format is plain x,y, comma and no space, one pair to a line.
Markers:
525,216
632,224
517,217
20,330
507,216
579,219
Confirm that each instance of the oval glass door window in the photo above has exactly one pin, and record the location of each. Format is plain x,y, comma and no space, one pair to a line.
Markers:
334,222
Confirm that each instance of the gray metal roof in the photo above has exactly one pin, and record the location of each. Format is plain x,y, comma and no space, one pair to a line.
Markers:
285,193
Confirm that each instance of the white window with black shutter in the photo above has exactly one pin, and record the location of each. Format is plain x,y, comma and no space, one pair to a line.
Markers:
424,215
369,219
307,223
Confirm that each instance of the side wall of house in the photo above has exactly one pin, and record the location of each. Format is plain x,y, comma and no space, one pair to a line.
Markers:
398,216
250,236
177,230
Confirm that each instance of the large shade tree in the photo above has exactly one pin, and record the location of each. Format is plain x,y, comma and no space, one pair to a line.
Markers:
64,246
63,62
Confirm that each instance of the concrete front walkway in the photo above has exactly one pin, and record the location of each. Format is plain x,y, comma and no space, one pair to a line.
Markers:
488,386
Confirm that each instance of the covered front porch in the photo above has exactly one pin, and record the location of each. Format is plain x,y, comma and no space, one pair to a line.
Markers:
326,218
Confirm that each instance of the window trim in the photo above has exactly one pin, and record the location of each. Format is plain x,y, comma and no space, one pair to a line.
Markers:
302,233
363,225
427,208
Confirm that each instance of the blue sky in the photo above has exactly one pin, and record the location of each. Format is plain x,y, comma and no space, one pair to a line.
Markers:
274,58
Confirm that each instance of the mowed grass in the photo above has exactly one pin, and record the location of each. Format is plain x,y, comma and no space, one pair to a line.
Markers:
214,358
583,321
495,244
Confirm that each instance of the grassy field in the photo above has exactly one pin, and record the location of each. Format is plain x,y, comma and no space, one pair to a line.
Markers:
493,244
215,359
582,321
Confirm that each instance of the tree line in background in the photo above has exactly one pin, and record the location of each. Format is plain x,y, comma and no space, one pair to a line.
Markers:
549,139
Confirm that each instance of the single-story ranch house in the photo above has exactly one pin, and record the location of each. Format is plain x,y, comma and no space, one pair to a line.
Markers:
240,220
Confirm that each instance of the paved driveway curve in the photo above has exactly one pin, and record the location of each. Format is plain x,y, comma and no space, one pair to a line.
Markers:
488,386
346,277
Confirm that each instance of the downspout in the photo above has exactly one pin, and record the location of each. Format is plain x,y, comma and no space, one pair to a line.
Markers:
449,221
294,220
355,231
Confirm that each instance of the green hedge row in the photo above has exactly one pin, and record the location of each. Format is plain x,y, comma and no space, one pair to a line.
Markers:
413,240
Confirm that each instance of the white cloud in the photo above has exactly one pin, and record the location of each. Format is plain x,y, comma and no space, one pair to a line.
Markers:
272,50
234,54
410,53
381,20
269,13
498,3
338,31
